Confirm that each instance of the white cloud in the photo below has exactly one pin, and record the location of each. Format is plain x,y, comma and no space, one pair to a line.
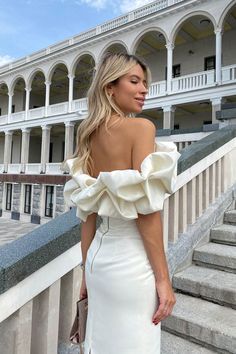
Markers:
127,5
121,5
4,59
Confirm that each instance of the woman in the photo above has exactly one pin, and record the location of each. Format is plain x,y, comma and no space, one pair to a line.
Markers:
118,173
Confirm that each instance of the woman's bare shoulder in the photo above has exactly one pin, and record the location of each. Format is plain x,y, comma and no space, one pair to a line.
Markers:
141,126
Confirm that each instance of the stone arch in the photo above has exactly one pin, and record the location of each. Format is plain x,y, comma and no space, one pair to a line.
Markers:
143,33
78,58
121,45
179,24
59,87
51,70
32,75
38,89
3,98
83,74
225,13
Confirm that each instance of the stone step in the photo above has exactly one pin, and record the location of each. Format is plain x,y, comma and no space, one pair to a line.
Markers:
224,234
215,255
171,344
203,322
211,284
230,217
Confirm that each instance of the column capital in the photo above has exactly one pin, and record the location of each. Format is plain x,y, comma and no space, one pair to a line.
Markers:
216,100
8,132
70,76
169,46
25,130
10,94
28,89
169,108
47,83
218,31
46,127
69,124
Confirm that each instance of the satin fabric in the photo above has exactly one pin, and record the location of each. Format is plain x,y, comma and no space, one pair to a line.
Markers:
121,287
125,193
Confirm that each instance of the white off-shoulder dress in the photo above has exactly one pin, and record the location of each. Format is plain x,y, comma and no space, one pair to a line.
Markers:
120,282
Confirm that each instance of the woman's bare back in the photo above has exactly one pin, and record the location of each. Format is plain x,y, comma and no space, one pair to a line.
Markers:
112,150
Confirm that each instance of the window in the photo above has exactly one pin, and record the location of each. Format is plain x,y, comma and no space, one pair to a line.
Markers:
0,111
27,206
49,201
13,107
8,196
50,152
210,63
176,126
176,71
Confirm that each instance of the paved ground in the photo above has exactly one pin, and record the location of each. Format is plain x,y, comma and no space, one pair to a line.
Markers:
10,229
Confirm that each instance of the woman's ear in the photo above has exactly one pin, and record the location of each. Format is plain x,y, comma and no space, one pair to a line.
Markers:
109,89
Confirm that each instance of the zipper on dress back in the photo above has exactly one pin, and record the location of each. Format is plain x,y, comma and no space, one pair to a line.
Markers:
104,233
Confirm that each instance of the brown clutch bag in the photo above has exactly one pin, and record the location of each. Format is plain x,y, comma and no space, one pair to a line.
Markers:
77,333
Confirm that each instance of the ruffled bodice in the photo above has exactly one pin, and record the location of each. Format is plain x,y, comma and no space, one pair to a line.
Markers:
125,193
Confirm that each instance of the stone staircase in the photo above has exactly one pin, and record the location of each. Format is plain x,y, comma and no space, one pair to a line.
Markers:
204,318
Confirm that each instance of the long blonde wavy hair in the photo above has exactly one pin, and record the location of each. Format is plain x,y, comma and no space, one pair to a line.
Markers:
101,106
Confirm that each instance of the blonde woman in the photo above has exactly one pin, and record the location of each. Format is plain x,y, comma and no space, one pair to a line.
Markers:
121,174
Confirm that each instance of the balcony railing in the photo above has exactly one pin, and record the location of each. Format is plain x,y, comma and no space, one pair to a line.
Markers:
32,168
158,89
40,277
14,168
53,168
194,81
229,74
107,26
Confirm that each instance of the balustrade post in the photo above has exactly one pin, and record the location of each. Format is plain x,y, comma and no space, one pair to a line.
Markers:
212,177
174,217
191,201
199,195
24,328
218,178
206,189
183,209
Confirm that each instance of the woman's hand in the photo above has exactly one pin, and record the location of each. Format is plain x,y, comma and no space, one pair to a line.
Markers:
166,300
83,289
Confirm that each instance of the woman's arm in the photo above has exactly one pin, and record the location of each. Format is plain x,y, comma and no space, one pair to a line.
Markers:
150,226
88,229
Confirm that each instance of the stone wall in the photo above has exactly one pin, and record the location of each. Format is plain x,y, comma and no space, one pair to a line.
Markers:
60,203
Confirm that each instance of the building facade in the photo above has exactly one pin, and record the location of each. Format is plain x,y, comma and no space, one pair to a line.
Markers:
190,48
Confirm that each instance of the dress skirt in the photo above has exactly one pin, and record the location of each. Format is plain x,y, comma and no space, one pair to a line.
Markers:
122,295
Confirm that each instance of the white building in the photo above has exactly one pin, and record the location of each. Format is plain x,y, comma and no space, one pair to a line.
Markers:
190,48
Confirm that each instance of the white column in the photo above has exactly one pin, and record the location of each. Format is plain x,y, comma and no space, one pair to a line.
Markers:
216,106
7,149
27,101
168,117
45,146
71,84
218,33
47,96
169,47
25,148
10,95
69,139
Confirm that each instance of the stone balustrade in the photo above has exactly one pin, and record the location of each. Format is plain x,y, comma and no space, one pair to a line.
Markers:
39,275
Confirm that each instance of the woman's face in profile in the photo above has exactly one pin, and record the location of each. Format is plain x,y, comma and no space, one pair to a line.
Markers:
130,90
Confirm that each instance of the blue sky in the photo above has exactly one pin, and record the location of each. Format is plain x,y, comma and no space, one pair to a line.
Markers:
29,25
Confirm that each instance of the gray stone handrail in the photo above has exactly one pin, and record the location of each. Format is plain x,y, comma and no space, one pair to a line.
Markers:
29,253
